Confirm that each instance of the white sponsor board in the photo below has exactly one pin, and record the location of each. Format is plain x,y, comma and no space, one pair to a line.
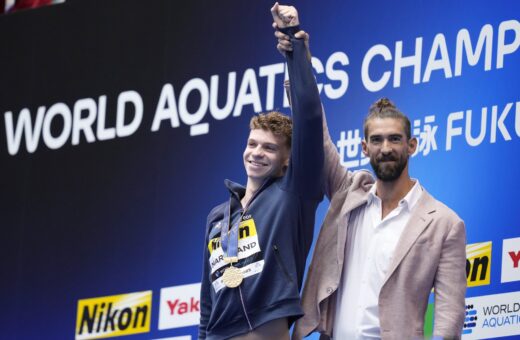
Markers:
492,316
511,260
180,306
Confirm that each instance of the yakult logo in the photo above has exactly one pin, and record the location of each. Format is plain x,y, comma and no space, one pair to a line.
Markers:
511,260
180,306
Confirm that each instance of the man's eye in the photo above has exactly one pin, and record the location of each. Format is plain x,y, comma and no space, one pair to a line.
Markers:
395,139
375,140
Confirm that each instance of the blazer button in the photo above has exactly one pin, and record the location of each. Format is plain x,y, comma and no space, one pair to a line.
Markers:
329,290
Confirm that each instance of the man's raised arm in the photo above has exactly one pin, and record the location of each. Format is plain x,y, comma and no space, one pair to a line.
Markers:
305,169
334,174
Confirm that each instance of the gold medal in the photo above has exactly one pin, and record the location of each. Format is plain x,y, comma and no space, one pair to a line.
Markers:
232,277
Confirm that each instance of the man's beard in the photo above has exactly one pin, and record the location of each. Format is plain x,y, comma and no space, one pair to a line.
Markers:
387,172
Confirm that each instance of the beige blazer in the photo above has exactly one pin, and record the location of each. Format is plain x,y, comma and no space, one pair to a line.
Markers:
430,254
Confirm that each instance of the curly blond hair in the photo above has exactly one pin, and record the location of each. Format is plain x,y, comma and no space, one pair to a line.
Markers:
274,121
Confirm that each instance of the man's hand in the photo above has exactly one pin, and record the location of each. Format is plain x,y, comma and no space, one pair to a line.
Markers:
285,16
284,42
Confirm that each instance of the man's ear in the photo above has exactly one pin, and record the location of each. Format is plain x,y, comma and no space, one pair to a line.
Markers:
364,147
285,165
287,159
412,146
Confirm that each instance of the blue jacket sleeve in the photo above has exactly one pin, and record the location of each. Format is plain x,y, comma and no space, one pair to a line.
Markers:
304,172
205,291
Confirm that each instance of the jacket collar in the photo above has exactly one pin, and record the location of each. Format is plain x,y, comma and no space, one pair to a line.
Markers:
235,189
238,191
355,199
421,218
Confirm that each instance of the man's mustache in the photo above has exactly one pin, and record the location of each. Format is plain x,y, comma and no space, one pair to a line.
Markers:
387,158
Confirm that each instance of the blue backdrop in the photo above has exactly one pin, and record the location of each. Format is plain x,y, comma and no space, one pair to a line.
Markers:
121,119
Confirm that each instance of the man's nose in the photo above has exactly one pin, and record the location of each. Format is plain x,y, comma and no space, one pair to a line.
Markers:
386,148
258,152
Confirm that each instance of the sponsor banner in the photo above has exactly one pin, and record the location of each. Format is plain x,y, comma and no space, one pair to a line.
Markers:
511,260
115,315
492,316
478,264
179,306
185,337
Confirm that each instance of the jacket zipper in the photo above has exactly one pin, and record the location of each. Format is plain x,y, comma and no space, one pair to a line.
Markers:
244,210
244,308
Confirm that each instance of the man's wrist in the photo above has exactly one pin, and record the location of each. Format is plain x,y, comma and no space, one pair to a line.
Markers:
290,30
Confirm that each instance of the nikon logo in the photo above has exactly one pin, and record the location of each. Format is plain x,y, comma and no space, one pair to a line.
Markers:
478,264
114,315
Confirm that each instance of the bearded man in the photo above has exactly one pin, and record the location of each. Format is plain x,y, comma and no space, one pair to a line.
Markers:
384,244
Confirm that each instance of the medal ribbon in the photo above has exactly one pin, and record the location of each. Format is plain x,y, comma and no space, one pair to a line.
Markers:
229,236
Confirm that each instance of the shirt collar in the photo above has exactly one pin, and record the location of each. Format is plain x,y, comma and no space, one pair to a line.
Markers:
410,200
372,194
413,195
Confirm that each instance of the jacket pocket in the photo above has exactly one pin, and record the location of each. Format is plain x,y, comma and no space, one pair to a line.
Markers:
279,260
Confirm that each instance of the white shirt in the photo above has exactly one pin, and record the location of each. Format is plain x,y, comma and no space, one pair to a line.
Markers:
370,246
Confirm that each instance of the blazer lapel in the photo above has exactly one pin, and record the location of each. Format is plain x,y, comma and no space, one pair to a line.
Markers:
355,199
420,219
